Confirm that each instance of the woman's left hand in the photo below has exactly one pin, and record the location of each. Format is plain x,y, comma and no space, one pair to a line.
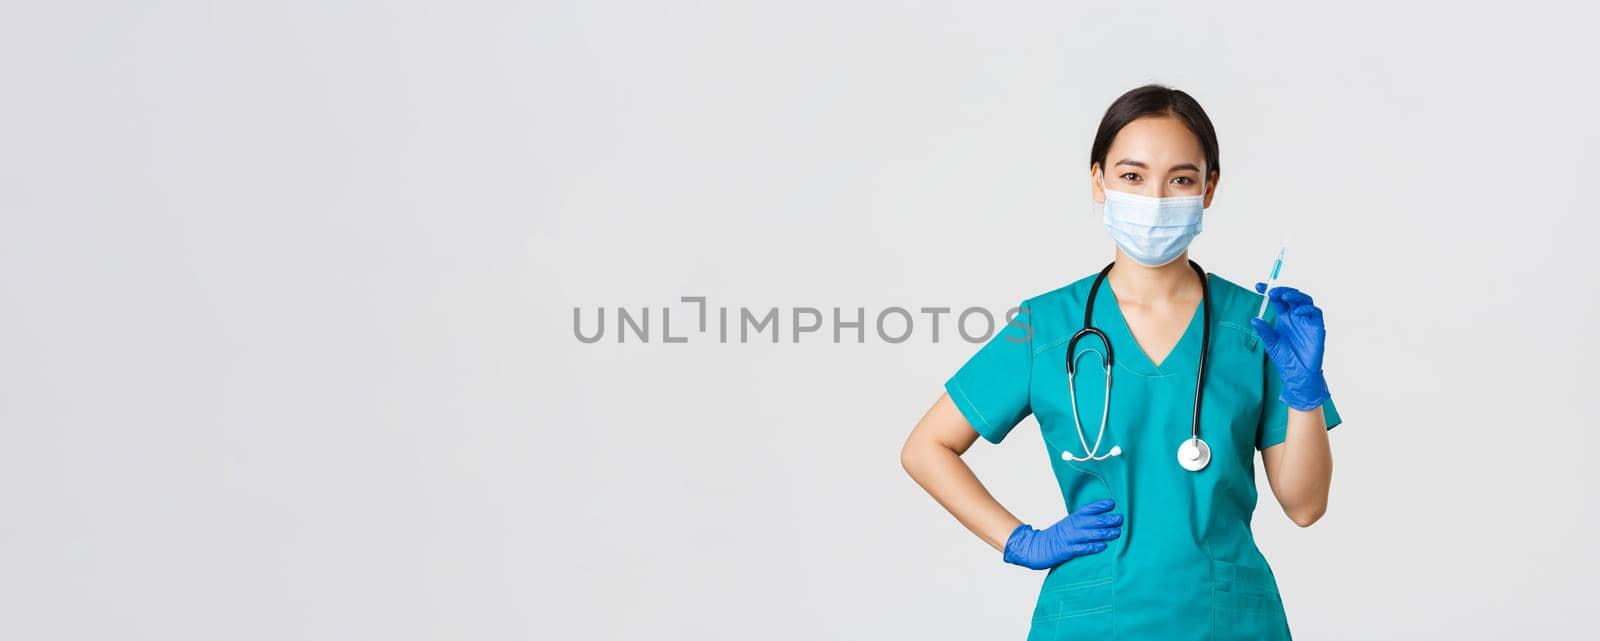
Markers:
1295,346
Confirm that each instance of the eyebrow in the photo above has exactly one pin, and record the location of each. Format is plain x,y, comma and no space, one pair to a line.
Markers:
1188,165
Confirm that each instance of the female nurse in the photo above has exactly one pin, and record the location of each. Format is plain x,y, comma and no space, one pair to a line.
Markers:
1156,543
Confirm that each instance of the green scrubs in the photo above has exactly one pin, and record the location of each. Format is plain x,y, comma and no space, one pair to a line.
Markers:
1186,565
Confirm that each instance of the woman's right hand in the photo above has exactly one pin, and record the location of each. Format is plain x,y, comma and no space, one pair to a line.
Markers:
1084,531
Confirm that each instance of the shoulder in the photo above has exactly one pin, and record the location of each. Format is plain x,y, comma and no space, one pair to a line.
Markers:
1052,315
1233,304
1227,292
1069,296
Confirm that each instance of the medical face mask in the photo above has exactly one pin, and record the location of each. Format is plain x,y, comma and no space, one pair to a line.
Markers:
1152,231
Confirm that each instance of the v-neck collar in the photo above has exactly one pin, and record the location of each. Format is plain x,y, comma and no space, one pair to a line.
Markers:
1180,359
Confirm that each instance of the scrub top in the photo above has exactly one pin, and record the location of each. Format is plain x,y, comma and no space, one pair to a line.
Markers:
1186,565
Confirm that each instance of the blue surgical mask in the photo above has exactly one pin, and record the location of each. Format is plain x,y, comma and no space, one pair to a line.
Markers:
1152,231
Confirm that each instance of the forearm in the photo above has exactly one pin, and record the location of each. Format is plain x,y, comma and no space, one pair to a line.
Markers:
1306,468
947,478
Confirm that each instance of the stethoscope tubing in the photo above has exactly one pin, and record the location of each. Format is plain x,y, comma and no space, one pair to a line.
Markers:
1092,454
1108,357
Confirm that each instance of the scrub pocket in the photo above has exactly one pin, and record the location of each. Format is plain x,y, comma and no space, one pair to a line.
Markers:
1078,610
1245,603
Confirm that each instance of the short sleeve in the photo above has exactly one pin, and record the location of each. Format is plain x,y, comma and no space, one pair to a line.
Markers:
1274,426
991,389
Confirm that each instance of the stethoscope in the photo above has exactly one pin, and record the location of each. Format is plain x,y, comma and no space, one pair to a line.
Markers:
1193,453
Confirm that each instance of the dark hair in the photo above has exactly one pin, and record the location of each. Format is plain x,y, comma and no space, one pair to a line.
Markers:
1155,100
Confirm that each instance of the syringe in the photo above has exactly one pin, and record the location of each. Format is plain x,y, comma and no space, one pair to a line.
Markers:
1277,266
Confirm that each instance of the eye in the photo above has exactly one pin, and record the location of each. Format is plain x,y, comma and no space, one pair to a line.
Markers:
1135,177
1184,180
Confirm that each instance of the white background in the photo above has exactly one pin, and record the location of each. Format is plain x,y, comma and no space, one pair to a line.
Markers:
287,293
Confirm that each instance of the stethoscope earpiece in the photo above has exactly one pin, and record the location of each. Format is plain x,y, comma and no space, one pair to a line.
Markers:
1116,450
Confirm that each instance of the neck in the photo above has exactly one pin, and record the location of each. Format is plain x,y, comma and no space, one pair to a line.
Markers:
1138,284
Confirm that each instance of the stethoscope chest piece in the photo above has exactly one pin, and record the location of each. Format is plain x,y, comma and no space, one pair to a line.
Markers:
1194,454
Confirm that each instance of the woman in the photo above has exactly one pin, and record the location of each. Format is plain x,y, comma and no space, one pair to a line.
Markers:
1157,544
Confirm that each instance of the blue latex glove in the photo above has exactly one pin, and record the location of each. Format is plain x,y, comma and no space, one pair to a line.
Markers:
1295,346
1084,531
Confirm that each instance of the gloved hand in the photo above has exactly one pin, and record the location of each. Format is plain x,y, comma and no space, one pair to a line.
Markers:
1084,531
1295,346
